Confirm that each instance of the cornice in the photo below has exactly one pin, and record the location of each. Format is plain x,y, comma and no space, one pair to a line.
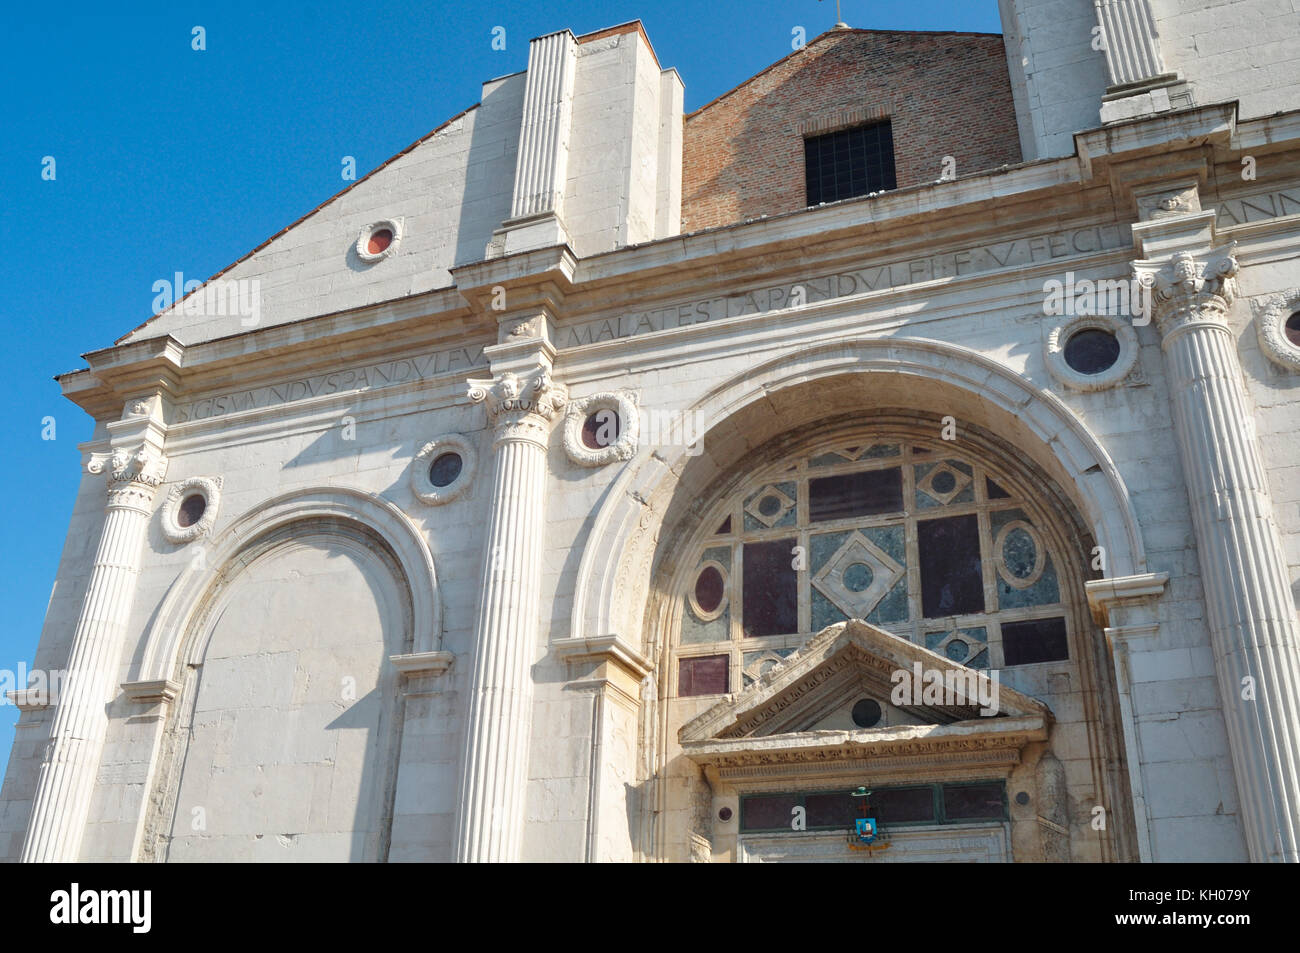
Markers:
1004,735
264,356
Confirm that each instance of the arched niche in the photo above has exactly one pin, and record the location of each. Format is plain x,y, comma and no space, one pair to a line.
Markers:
283,736
376,519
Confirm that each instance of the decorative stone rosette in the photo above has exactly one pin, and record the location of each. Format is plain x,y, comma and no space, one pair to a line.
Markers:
421,483
617,403
210,490
1271,314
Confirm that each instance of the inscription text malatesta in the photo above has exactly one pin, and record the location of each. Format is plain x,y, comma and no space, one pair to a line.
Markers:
1020,251
368,377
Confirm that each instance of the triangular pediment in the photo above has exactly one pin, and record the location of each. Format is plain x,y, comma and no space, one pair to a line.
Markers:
925,699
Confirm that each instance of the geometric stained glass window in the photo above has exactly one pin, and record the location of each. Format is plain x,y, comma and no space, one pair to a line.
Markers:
909,535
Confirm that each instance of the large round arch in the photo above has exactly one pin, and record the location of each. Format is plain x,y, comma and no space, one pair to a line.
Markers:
662,485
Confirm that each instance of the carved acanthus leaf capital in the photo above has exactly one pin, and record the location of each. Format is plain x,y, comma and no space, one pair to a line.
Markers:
1185,290
510,398
134,473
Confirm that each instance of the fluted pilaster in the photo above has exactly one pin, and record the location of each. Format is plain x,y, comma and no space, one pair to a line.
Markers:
67,778
495,771
542,165
1132,43
1252,615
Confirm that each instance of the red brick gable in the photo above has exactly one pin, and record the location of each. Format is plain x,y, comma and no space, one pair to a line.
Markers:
945,94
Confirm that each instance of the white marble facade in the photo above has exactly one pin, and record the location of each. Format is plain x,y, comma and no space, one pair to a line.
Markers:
350,579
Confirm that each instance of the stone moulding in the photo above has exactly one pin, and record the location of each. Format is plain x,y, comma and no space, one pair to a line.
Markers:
1117,372
1271,313
210,490
30,699
180,608
1106,594
624,448
602,648
422,663
421,485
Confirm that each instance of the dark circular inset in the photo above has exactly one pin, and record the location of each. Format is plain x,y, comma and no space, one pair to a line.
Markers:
445,468
1092,351
600,429
769,505
1022,798
866,713
724,814
944,482
1019,553
857,577
379,241
709,586
192,509
1293,329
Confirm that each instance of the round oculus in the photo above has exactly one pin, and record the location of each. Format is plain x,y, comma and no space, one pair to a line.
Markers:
445,469
866,713
379,240
1092,351
600,429
191,510
1292,329
709,588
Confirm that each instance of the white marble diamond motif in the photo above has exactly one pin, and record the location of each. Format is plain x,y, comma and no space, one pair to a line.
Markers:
858,576
769,505
949,477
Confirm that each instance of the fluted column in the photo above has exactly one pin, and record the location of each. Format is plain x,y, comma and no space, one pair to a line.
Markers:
522,402
67,778
1252,615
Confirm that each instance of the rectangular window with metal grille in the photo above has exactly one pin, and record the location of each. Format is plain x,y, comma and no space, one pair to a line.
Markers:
840,165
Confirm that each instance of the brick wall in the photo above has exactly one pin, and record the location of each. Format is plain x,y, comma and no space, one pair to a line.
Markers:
945,94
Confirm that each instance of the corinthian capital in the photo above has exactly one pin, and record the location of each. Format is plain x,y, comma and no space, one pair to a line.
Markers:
526,403
1185,291
134,473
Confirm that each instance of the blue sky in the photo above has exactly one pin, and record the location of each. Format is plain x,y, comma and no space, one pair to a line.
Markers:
169,159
